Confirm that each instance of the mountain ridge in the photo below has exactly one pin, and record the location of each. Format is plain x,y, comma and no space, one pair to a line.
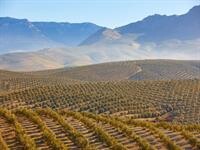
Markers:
153,40
28,36
154,28
157,28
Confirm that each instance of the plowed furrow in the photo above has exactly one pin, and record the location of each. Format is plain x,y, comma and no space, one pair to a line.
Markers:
88,133
34,132
59,131
119,136
9,135
178,139
152,139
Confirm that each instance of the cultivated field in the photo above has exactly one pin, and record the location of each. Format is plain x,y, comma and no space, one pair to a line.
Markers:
138,98
150,104
131,70
48,129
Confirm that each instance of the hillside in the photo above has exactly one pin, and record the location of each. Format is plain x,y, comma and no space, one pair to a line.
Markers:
70,34
28,36
47,129
136,98
131,70
152,29
157,28
42,60
81,86
113,71
149,105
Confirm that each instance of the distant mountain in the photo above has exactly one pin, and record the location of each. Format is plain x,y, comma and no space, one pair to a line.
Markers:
43,59
26,35
104,34
107,37
20,34
155,37
98,53
70,34
156,28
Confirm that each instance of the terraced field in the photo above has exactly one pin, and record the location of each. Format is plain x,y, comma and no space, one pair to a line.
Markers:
48,129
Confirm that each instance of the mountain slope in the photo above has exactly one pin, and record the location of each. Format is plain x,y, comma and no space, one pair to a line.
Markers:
70,34
43,59
99,53
158,28
102,35
27,61
23,34
26,35
155,37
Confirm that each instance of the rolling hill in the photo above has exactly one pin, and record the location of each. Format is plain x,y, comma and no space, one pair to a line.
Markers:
86,55
131,70
142,104
83,97
149,105
160,87
141,99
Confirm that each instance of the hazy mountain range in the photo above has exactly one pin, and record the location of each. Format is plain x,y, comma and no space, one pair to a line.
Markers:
69,44
156,28
26,35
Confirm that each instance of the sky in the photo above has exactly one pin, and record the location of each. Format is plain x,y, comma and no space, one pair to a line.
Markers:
108,13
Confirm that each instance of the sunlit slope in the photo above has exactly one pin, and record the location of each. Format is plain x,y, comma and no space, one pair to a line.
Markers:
133,70
11,81
138,98
167,69
164,88
48,129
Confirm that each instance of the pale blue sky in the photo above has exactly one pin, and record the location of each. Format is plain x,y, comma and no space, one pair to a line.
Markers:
110,13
